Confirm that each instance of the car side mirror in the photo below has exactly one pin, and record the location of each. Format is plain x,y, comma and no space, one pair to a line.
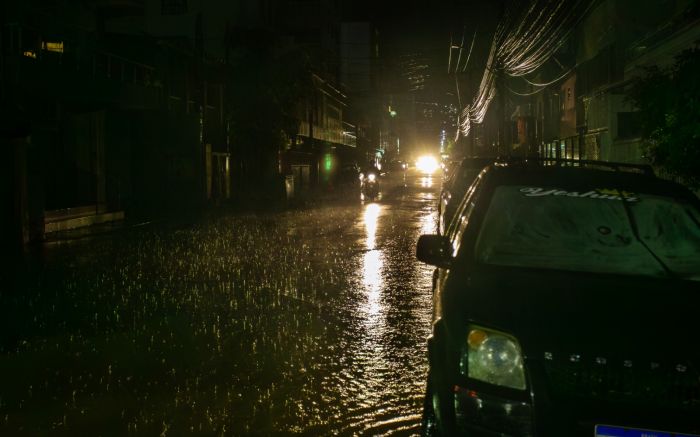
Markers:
435,250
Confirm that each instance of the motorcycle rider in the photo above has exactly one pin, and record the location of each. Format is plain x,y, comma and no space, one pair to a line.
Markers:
369,178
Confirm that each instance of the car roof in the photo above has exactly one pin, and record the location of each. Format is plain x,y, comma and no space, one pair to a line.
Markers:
477,161
585,178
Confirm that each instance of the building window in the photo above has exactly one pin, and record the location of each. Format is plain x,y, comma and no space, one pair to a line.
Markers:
173,7
52,46
629,125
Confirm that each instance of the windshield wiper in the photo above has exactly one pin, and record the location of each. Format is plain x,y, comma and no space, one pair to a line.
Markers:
635,232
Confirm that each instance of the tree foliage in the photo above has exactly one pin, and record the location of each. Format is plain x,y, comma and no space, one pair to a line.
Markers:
669,104
268,79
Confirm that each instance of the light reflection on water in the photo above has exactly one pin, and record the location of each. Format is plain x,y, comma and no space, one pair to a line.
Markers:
324,334
428,224
391,317
370,220
372,280
426,182
372,265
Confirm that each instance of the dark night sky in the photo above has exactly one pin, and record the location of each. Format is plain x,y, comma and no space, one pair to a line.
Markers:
426,27
425,24
419,32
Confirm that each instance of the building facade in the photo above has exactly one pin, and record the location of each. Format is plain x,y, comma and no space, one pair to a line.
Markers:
103,125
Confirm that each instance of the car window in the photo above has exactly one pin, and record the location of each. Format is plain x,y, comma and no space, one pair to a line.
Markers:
460,220
604,231
466,177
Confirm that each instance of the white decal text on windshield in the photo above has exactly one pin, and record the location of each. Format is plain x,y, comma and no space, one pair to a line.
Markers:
598,193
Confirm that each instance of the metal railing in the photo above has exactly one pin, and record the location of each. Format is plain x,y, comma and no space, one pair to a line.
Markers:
563,162
20,41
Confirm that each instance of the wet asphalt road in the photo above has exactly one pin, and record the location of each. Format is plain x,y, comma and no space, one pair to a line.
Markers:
310,321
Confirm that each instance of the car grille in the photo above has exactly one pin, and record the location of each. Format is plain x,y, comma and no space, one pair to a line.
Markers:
646,383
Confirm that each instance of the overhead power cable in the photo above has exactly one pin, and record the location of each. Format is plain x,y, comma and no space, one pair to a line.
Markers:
461,47
449,57
469,55
527,36
566,73
523,94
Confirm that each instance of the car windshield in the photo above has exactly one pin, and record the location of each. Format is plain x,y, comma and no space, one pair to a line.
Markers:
469,170
467,176
597,230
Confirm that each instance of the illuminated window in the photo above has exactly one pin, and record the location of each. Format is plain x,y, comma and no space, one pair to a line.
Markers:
30,54
52,46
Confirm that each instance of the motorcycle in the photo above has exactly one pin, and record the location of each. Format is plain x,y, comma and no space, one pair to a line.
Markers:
369,185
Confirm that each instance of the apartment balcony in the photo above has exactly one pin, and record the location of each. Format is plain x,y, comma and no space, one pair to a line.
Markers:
75,73
334,135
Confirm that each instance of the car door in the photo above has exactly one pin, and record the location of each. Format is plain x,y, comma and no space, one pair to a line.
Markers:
455,232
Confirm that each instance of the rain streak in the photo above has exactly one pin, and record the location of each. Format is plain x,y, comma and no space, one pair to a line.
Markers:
309,321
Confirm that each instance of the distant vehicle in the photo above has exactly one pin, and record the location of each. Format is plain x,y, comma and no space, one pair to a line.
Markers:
396,166
566,304
369,183
459,177
427,164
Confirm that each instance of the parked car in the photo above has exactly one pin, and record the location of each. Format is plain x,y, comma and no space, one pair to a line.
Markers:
396,165
349,173
566,304
460,175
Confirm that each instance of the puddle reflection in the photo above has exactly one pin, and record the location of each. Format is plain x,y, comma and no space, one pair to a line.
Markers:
371,216
372,262
428,223
372,280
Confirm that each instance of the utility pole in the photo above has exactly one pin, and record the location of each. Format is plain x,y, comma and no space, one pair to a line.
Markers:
504,119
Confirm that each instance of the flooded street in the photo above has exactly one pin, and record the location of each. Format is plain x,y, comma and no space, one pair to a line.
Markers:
310,321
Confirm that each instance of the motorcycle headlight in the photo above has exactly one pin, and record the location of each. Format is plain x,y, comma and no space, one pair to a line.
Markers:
493,357
371,177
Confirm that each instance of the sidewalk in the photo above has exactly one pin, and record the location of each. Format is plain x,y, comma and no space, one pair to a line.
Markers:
175,218
95,230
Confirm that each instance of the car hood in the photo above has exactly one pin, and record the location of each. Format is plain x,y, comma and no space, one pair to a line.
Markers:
587,314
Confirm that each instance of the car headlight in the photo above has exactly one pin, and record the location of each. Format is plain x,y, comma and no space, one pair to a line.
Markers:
493,357
371,177
427,164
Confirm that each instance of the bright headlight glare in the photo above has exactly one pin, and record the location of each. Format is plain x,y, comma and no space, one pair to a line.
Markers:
495,358
371,177
427,164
